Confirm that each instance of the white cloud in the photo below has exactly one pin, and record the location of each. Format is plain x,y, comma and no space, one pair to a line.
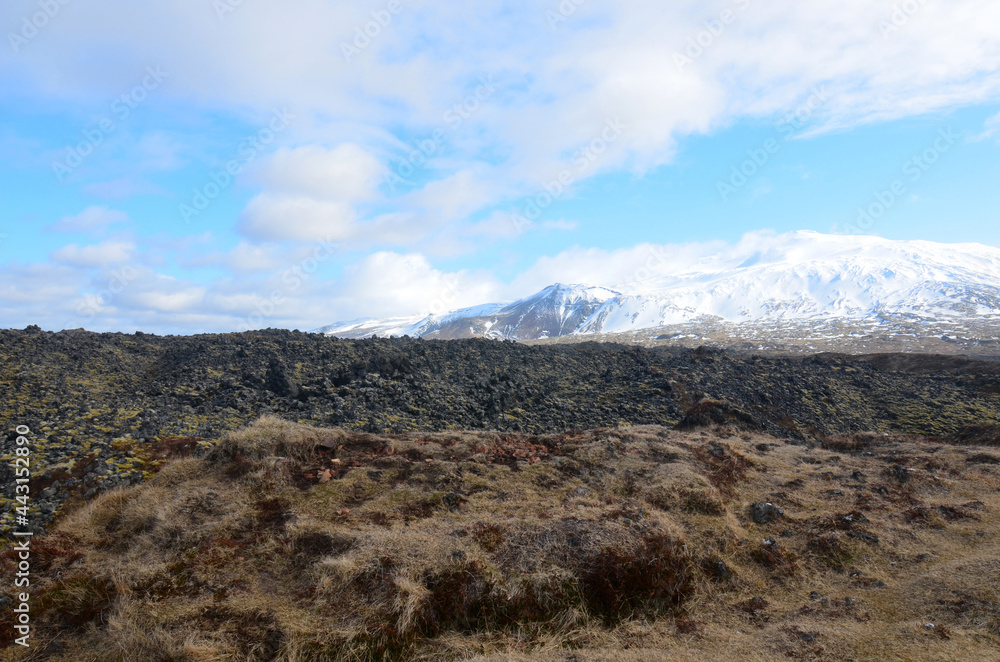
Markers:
100,255
163,294
624,267
458,195
276,218
24,286
91,219
391,284
346,172
312,193
59,296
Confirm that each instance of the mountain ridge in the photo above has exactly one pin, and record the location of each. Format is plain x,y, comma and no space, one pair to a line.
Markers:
802,276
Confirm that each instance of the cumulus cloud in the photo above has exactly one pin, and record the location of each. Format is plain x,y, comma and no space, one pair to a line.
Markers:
163,294
277,217
393,284
312,193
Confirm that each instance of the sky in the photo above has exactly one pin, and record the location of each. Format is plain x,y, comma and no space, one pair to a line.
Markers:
223,165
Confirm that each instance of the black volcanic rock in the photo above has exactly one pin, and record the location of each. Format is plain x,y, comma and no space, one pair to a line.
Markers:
106,385
278,381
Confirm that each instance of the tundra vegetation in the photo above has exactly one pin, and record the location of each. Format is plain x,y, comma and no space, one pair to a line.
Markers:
283,541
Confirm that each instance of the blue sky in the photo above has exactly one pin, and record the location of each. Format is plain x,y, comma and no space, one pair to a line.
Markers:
208,166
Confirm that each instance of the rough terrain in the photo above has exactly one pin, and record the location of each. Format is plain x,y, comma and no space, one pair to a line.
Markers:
294,543
105,408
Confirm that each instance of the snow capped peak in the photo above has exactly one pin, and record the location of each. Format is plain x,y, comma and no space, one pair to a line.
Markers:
572,294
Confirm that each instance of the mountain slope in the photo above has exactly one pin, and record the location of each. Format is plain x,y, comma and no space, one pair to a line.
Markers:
803,276
556,311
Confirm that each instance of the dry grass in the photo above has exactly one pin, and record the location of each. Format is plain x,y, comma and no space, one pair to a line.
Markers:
294,543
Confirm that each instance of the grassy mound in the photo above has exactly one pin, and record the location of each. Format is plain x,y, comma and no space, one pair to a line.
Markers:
295,543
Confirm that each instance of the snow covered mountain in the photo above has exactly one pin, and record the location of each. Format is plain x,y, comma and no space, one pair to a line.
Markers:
557,310
801,276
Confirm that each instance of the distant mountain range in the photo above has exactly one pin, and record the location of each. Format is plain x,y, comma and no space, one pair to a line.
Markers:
800,278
